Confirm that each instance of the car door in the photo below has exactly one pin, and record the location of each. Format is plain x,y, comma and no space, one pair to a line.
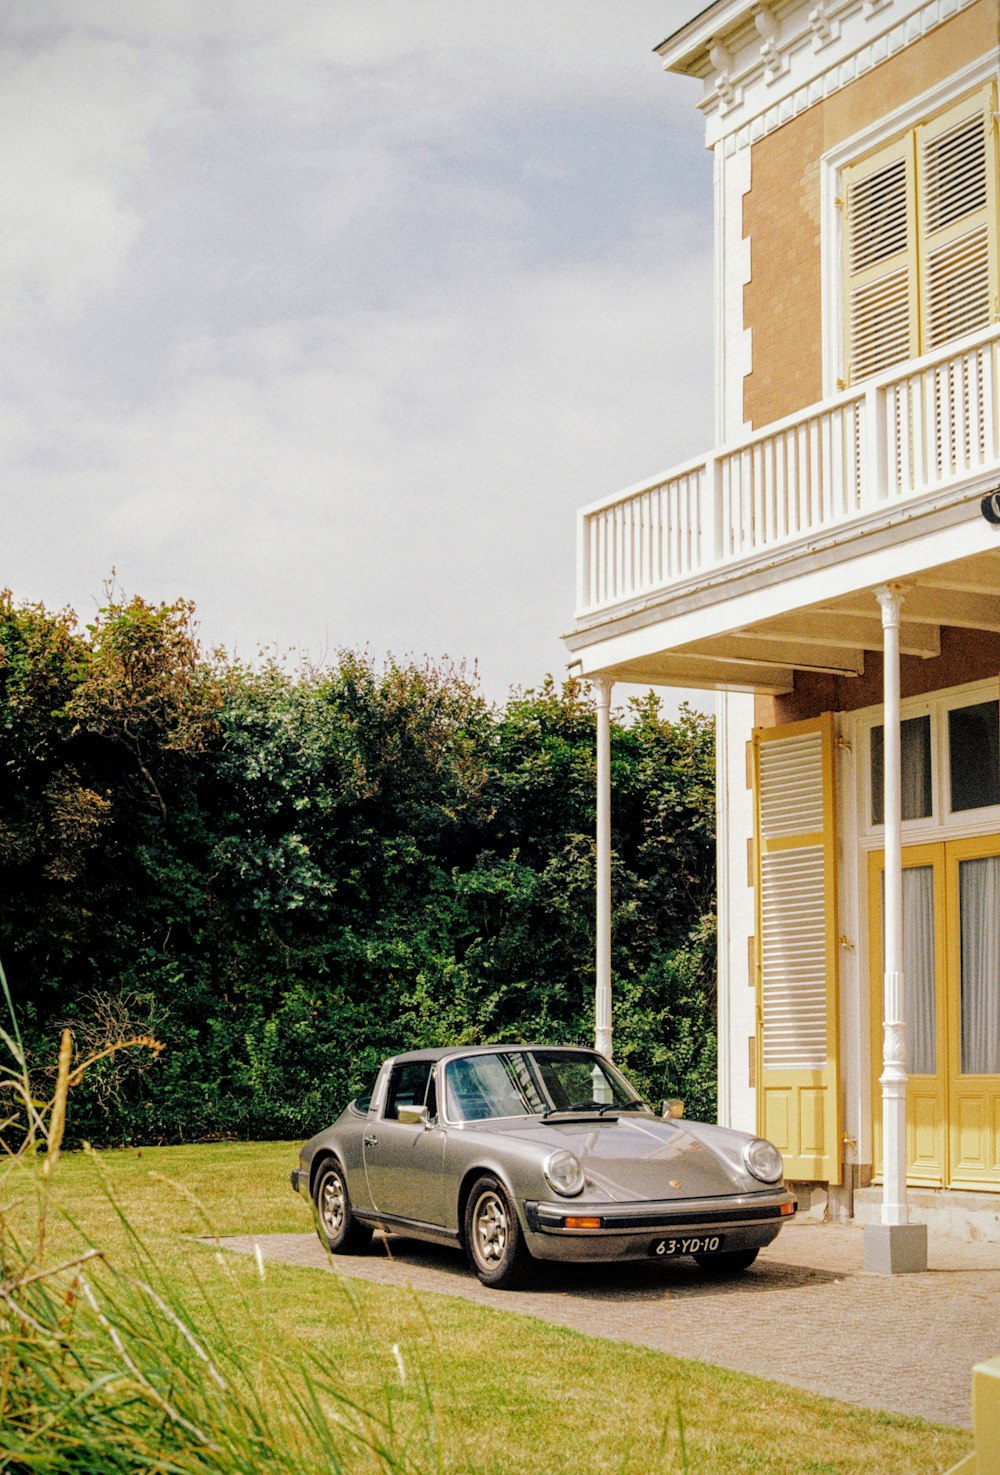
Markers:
404,1161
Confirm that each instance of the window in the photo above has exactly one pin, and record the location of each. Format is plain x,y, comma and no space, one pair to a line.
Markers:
949,763
920,239
482,1086
974,754
914,766
407,1086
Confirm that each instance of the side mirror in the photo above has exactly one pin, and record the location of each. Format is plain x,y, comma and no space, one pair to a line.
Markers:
414,1116
672,1109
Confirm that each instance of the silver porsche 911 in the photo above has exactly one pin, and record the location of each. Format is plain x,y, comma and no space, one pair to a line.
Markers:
527,1153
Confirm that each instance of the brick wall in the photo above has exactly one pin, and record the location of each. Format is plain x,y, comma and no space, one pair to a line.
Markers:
781,211
966,655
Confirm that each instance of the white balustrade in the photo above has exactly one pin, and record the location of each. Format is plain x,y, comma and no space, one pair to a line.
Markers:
644,538
913,430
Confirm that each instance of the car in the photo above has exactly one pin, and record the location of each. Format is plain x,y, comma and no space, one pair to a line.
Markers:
522,1154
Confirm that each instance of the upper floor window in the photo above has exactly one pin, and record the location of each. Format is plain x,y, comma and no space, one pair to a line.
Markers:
921,238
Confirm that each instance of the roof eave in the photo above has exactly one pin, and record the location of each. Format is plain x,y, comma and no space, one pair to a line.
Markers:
686,50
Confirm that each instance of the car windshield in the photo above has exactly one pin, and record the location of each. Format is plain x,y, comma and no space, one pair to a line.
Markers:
517,1083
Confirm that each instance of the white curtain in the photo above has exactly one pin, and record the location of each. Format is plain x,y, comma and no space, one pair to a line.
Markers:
918,970
919,1001
915,767
979,912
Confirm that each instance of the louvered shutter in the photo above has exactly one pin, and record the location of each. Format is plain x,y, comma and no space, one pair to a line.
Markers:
957,212
798,1091
880,264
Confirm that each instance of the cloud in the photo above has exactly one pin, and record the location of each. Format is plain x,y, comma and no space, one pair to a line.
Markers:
76,119
353,306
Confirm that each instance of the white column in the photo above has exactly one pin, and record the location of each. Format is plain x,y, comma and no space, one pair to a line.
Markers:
894,1246
893,1078
602,1001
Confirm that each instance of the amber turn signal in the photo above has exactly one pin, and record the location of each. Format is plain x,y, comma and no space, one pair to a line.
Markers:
787,1209
579,1221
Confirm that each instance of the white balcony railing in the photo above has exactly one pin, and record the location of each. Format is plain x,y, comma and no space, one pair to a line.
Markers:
917,429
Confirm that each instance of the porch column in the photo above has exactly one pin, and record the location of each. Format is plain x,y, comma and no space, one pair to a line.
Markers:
894,1245
602,1001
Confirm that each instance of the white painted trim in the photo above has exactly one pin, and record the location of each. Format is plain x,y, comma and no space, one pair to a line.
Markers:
724,973
603,1025
742,102
721,361
856,1062
941,824
850,151
804,585
853,1044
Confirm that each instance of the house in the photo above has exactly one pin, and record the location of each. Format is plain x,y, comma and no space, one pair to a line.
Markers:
831,568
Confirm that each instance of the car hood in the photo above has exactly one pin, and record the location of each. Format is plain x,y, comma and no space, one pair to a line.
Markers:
636,1158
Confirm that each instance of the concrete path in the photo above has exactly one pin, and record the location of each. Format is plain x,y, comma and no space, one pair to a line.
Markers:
805,1314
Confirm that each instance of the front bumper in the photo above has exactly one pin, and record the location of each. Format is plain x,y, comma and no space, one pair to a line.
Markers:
627,1231
300,1180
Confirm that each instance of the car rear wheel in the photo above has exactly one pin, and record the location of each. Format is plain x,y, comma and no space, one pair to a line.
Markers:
730,1262
494,1241
338,1229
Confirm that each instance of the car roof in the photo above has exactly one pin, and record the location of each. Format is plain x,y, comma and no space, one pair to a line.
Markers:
445,1052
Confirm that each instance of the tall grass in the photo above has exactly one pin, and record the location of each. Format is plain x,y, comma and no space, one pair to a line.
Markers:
140,1350
105,1366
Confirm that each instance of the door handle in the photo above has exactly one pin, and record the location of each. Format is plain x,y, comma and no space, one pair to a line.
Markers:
370,1140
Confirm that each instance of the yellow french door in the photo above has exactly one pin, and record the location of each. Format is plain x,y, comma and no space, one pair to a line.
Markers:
951,969
973,910
925,1009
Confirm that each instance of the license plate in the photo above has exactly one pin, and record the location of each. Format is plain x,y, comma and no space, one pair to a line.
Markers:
692,1244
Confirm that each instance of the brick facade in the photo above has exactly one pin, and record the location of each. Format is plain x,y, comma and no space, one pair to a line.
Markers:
781,212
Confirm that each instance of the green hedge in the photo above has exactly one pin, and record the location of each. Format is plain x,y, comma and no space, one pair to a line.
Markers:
284,875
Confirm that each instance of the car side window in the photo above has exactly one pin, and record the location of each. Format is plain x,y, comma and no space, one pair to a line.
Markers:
407,1087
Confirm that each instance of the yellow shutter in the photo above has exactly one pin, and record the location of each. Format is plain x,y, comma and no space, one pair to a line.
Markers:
957,211
880,263
798,1088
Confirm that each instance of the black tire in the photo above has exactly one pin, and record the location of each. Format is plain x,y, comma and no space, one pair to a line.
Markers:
336,1225
494,1241
730,1262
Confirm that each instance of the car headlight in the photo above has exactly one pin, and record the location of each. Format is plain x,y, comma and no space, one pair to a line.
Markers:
763,1160
564,1174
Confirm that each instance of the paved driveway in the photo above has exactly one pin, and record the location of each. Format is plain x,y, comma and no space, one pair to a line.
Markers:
805,1314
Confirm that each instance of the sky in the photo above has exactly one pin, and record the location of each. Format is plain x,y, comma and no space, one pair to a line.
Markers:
330,314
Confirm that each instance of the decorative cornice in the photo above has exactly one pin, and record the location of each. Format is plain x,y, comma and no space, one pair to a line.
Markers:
764,63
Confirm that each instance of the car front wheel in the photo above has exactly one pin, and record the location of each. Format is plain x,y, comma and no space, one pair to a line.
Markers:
338,1229
494,1241
728,1263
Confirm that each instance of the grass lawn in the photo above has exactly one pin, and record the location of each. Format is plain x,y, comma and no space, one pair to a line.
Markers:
463,1387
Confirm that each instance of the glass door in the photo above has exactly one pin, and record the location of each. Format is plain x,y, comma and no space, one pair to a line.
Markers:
951,969
973,927
925,1009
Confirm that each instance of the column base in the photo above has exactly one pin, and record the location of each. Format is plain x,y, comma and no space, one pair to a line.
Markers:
895,1249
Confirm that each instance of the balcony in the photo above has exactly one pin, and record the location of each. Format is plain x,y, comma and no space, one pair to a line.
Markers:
791,518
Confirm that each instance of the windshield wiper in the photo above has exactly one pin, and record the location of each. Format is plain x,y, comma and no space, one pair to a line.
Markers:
599,1106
